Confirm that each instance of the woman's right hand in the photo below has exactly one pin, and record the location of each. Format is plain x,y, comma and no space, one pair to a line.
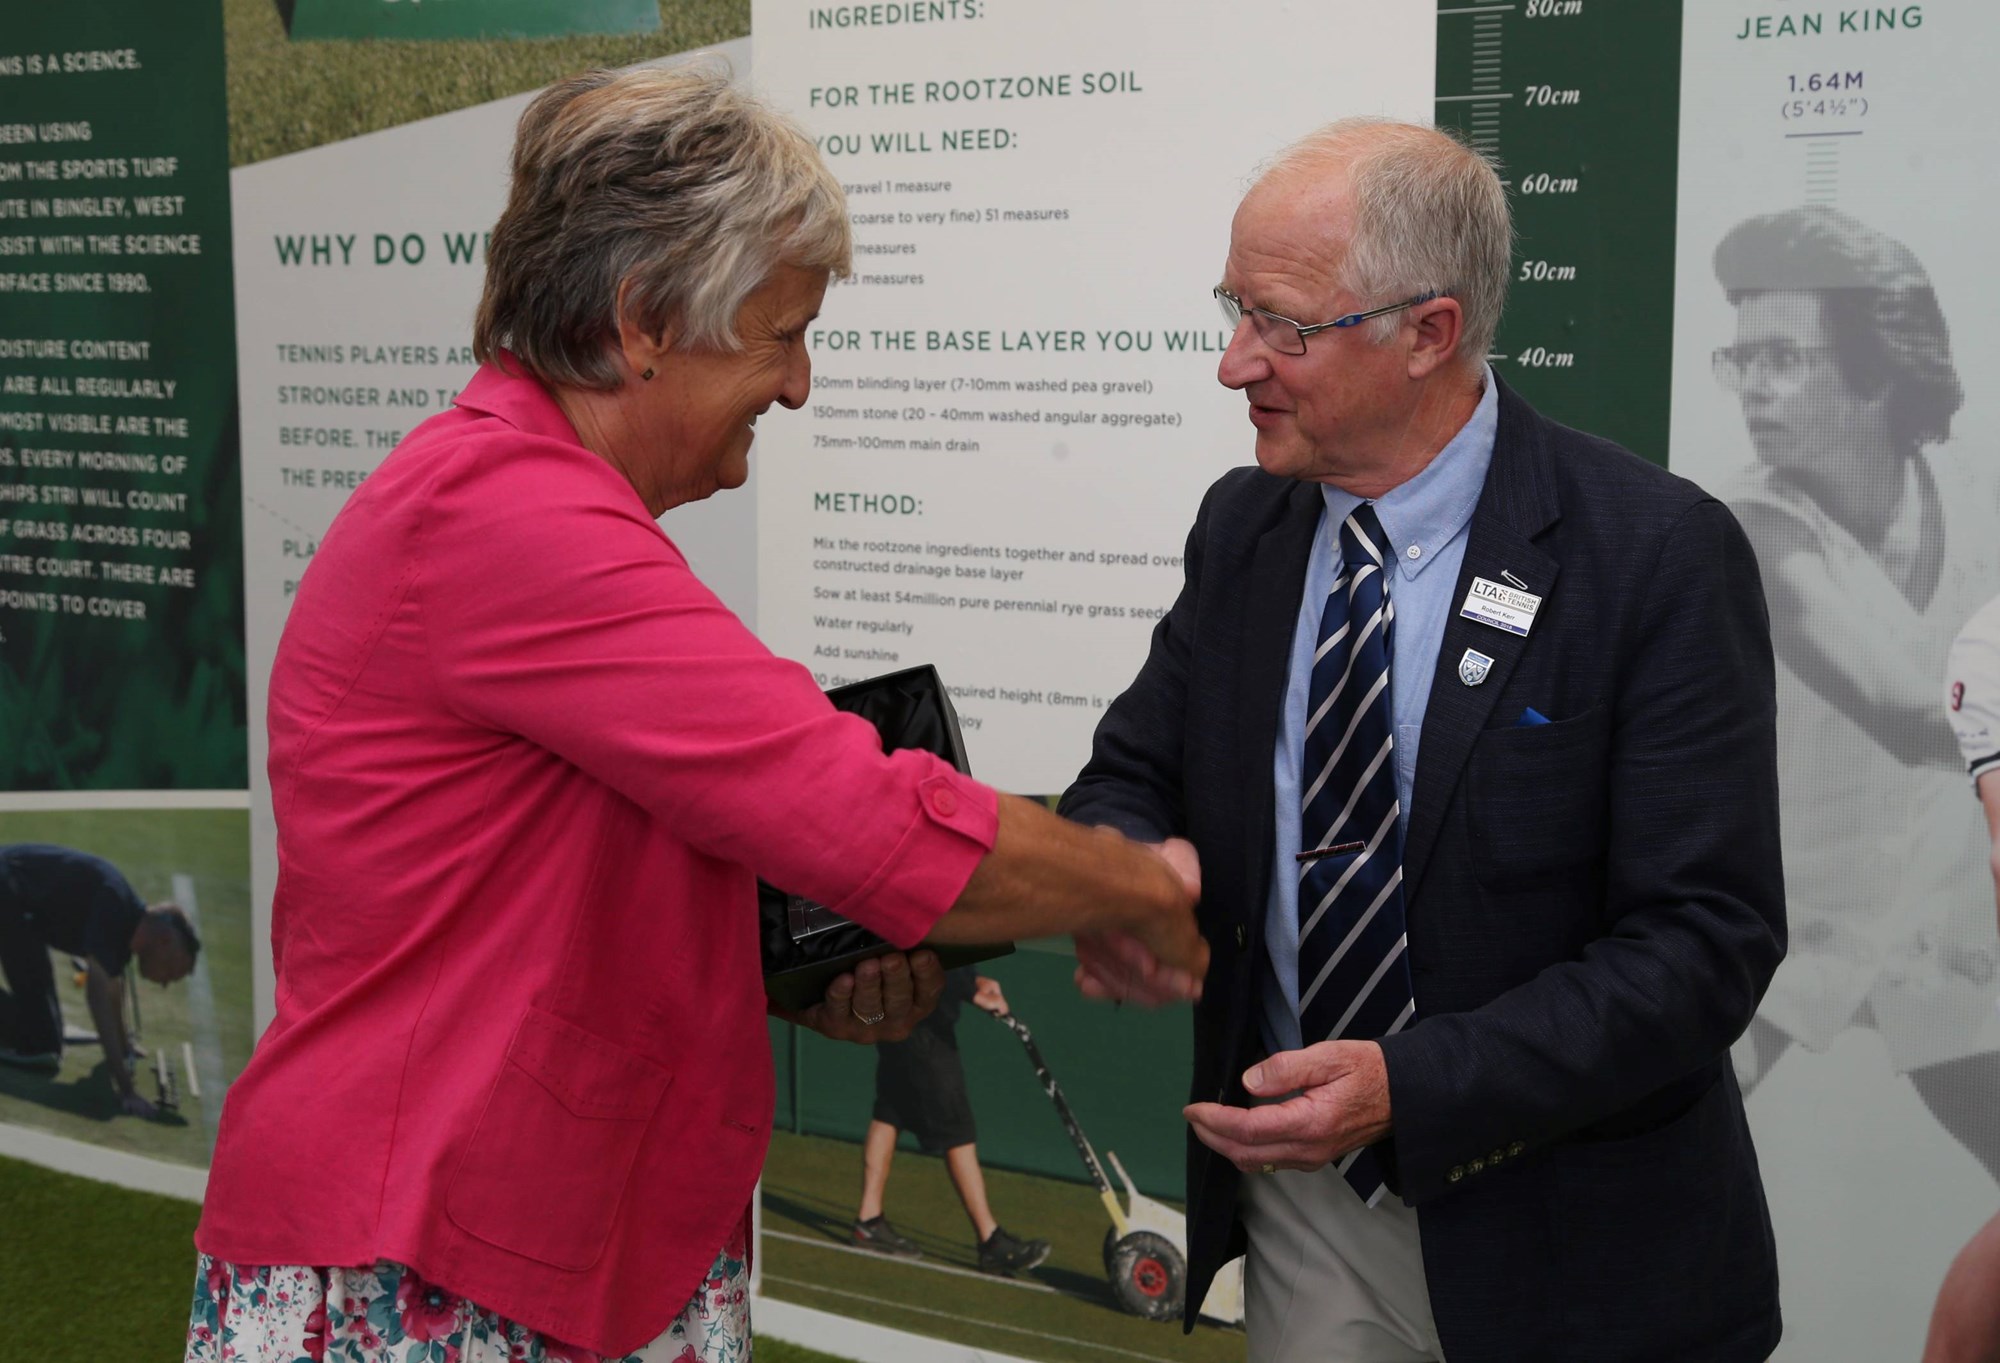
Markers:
1157,962
1046,875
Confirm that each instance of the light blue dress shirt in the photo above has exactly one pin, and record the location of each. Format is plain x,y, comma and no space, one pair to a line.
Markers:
1426,520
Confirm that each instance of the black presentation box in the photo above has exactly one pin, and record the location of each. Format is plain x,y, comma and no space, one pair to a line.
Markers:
806,944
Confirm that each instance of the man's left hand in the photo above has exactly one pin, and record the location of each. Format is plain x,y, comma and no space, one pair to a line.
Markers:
1340,1103
899,991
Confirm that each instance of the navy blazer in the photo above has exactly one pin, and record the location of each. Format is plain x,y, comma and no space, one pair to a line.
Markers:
1595,905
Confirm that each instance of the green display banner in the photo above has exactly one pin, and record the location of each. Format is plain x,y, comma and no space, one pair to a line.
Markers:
448,19
1579,103
121,579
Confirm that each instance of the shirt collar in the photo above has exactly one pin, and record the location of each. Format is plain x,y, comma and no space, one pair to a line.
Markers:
1426,513
506,390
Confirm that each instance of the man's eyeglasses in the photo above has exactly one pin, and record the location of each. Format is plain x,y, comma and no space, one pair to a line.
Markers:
1784,365
1287,337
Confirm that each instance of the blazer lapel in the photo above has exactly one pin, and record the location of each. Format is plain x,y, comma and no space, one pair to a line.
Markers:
1270,618
1518,502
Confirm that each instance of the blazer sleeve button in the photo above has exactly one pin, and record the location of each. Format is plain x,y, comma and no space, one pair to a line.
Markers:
1457,1173
1477,1166
1516,1148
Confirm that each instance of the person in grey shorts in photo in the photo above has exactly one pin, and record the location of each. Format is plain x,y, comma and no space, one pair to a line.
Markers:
920,1088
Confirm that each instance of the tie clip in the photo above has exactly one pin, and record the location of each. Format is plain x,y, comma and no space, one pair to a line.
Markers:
1339,849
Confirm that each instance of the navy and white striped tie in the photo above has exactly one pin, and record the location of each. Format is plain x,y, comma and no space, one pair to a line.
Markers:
1354,974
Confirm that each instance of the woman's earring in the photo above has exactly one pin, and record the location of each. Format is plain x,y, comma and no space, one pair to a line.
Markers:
648,374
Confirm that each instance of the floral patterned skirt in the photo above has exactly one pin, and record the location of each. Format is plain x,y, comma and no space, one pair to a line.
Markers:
387,1314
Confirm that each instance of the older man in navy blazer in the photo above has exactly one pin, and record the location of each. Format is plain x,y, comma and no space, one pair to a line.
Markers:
1469,719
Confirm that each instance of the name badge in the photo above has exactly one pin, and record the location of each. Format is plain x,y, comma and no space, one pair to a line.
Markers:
1501,606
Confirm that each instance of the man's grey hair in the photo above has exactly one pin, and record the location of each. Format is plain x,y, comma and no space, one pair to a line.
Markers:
672,184
1430,217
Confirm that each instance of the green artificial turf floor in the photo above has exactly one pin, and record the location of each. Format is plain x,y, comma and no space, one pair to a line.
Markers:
130,1257
98,1274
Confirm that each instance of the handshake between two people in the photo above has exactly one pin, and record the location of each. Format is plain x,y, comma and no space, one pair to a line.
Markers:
1309,1107
1129,905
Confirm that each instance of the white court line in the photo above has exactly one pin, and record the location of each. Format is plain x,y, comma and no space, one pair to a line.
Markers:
85,1160
969,1320
38,801
993,1278
844,1336
201,1015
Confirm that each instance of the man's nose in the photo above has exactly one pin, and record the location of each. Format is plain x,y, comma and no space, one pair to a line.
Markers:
1246,359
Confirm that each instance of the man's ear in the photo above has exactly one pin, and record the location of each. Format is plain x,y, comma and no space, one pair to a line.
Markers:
1440,327
645,353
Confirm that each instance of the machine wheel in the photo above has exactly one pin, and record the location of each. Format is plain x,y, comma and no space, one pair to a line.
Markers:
1148,1275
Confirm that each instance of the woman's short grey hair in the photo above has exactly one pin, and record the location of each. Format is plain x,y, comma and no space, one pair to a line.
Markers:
1430,217
671,184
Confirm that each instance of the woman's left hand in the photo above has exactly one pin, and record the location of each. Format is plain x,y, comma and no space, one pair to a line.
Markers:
896,989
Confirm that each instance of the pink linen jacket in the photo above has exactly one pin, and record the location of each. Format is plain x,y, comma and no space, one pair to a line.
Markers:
525,769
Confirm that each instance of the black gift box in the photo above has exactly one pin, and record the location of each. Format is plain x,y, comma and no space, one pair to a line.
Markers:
807,944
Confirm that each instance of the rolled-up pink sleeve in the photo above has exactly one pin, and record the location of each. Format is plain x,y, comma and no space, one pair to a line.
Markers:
557,611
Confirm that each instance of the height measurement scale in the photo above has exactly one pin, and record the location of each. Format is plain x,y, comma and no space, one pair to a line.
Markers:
1579,101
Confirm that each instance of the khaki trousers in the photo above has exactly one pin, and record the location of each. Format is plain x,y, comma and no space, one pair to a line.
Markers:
1329,1279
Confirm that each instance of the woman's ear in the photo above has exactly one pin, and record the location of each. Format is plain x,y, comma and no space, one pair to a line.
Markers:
645,354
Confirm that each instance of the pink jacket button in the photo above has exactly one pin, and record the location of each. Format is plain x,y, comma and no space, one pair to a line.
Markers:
945,801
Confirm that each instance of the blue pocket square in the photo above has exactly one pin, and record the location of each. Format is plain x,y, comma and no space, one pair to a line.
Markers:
1529,717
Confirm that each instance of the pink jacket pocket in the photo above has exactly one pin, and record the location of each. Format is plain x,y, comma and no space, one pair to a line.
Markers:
548,1163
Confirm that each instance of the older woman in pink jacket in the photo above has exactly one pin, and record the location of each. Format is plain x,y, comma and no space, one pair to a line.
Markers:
526,770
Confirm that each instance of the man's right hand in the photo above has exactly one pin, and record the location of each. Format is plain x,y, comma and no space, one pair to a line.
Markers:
1179,853
1159,961
1046,875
